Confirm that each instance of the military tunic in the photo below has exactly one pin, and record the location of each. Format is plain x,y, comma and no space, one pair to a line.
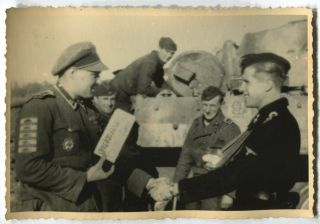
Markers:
137,78
267,163
201,140
53,153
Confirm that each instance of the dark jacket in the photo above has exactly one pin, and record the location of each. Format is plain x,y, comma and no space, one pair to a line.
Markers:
129,169
202,140
137,77
266,163
55,141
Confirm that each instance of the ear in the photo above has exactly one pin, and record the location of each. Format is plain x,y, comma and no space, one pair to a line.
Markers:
268,84
94,99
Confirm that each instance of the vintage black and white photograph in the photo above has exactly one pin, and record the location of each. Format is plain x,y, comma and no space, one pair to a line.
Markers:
191,112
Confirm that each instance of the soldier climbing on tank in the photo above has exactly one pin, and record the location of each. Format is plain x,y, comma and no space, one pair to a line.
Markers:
143,76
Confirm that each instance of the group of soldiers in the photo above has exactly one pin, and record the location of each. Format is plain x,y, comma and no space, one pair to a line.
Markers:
58,130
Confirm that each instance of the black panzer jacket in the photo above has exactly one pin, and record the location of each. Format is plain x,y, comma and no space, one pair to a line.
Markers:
267,162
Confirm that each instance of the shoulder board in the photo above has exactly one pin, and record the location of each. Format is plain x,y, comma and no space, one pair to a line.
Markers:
41,95
44,94
19,102
197,120
228,121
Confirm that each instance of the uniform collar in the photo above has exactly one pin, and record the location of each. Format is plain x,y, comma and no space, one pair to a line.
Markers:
104,117
202,130
216,120
65,95
271,108
278,104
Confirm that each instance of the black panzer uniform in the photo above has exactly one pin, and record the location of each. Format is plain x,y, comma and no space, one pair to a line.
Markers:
263,172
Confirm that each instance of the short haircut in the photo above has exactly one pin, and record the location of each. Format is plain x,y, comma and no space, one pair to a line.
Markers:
273,70
167,43
105,88
211,92
276,66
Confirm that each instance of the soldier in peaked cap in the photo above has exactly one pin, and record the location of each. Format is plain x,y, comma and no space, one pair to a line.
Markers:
262,173
209,132
144,75
56,139
81,55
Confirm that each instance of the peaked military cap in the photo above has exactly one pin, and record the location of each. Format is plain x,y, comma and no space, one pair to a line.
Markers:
211,92
167,43
81,55
104,89
251,59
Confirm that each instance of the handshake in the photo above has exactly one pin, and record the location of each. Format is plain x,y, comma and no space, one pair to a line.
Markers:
161,191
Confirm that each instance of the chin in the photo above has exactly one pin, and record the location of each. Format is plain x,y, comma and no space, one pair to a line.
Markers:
109,111
247,103
250,105
208,118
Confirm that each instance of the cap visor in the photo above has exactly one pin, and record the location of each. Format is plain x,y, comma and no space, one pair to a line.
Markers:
96,67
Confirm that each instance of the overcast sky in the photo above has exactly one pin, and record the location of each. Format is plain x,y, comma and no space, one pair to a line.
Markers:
37,37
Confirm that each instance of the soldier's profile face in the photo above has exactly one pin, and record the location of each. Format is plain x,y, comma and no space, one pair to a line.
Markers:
210,107
105,104
166,55
84,81
253,87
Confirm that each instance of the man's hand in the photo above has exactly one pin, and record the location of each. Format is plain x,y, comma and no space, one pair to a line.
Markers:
96,172
226,201
161,205
159,189
211,161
